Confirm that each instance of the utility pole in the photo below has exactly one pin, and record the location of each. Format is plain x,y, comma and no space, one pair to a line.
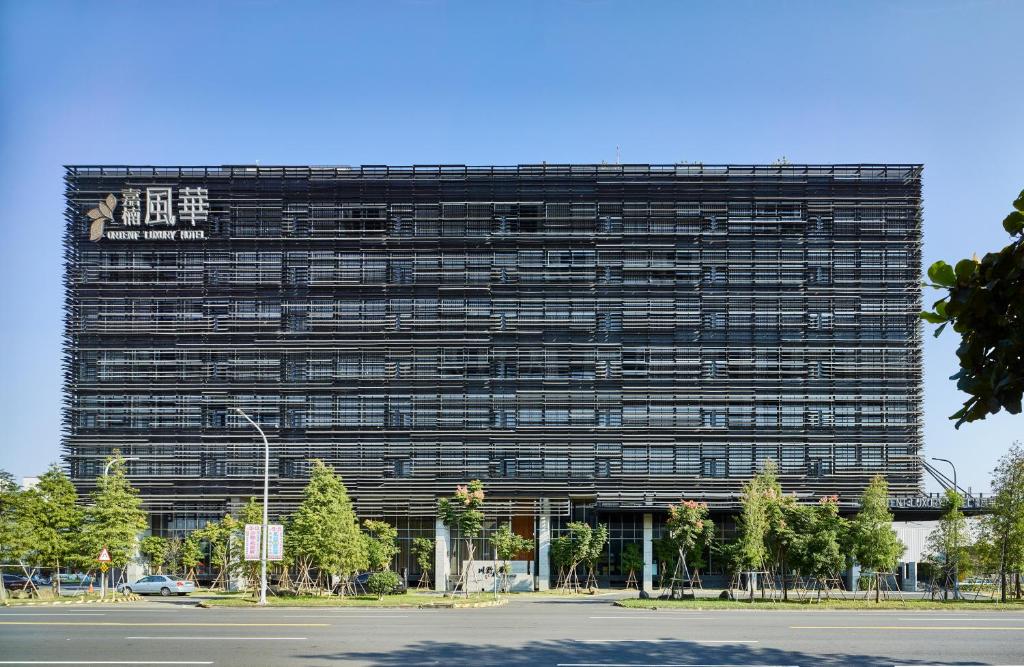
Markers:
266,500
956,558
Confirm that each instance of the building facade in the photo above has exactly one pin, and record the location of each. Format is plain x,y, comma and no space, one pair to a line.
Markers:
588,340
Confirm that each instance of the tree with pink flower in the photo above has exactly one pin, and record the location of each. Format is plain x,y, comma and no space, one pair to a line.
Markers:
690,530
462,513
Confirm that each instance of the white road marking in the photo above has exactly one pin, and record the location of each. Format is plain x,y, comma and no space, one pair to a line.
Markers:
335,616
686,641
660,664
962,618
106,662
651,617
228,638
64,613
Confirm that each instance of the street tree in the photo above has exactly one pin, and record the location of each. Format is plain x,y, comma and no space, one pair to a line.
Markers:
984,303
115,517
381,544
875,544
946,544
690,531
222,538
819,546
191,555
631,562
156,549
507,544
423,552
751,552
595,552
324,531
462,513
1003,526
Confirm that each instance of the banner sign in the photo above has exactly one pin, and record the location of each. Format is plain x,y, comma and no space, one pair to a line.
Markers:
252,541
275,542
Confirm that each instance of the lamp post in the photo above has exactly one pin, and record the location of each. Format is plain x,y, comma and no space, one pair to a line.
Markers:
956,564
266,494
103,576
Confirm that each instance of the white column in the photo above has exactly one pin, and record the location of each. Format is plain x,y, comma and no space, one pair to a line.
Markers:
442,563
544,547
648,583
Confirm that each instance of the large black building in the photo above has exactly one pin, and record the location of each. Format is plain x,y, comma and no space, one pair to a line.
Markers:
608,338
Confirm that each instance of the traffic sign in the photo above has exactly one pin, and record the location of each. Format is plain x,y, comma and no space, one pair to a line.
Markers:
104,556
103,567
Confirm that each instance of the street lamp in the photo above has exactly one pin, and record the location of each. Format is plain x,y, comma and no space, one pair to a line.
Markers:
956,564
266,494
111,462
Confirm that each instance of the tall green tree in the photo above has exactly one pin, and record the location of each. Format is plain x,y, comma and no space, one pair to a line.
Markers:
463,513
381,544
818,549
115,518
58,523
251,513
752,523
875,545
984,302
1003,526
690,530
947,543
631,561
155,548
12,534
225,553
507,544
423,551
191,555
324,530
596,552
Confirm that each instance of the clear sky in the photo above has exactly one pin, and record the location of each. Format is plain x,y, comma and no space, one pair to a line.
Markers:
499,83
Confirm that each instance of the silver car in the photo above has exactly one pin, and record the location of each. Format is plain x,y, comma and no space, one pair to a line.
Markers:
158,583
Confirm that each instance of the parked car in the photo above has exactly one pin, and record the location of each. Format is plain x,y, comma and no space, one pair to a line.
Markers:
359,582
15,582
158,584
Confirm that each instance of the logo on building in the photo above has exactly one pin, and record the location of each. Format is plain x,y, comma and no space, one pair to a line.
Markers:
157,220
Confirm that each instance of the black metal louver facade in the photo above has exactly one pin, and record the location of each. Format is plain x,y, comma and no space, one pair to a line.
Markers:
625,335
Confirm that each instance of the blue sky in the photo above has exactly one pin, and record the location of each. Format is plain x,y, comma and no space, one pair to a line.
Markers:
499,83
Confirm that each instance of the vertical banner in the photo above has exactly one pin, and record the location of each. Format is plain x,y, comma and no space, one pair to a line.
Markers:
252,541
275,541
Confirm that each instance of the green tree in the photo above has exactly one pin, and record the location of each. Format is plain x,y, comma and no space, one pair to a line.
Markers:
172,559
155,548
462,512
115,518
381,544
1003,526
690,530
632,560
423,552
13,534
252,513
324,530
946,544
984,302
507,544
222,537
875,545
191,555
783,520
382,583
752,523
595,552
818,550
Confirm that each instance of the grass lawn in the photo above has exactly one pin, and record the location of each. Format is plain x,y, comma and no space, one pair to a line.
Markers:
800,605
407,600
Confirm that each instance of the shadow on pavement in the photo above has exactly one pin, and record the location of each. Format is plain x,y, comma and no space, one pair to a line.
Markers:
583,654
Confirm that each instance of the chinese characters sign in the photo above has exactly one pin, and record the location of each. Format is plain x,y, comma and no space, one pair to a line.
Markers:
151,215
275,541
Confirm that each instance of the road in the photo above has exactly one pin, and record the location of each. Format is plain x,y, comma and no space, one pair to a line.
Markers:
549,632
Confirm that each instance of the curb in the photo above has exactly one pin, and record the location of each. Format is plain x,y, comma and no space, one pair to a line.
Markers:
53,603
432,605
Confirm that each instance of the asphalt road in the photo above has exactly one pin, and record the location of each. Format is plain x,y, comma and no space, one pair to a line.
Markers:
539,633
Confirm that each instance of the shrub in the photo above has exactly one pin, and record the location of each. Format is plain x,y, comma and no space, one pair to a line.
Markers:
382,583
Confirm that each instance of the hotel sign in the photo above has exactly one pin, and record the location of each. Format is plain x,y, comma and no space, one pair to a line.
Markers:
151,215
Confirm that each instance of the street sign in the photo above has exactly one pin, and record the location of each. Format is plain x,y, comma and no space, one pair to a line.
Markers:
104,556
275,542
252,541
103,567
